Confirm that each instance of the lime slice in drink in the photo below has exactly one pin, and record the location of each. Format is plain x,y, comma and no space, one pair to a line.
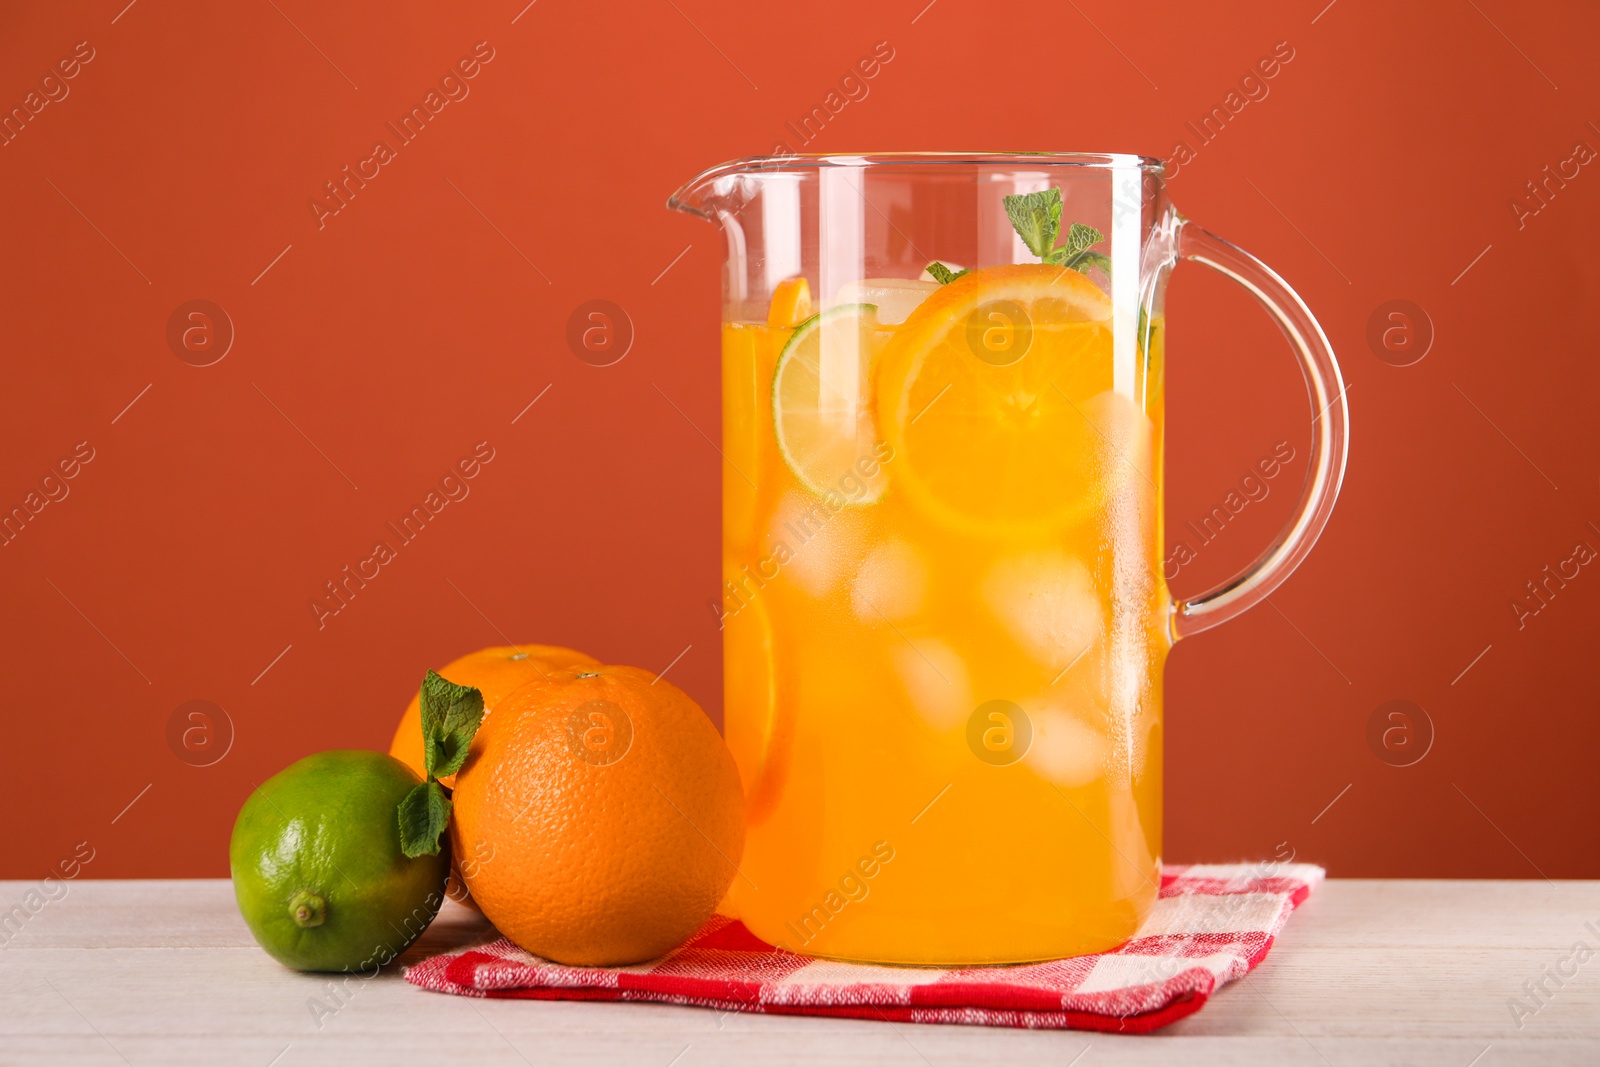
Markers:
822,404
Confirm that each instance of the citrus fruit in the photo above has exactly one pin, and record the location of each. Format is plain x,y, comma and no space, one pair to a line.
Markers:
987,394
791,302
756,736
317,867
495,672
822,406
610,813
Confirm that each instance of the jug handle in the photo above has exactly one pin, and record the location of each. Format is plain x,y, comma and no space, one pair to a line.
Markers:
1330,433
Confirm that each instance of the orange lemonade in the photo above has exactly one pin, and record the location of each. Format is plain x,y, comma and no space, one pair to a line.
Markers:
944,617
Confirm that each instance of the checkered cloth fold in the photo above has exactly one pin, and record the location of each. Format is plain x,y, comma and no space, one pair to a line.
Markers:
1212,924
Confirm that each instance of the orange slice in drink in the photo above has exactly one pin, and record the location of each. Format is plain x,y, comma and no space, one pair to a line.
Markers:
755,733
791,302
985,396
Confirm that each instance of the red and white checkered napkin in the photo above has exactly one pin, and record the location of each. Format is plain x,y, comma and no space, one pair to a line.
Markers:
1212,924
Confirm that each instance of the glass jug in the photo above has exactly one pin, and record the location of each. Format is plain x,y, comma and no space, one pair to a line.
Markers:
944,612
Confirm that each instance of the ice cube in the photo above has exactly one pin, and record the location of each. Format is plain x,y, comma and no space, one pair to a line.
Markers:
1066,750
811,544
935,678
1048,603
896,298
890,584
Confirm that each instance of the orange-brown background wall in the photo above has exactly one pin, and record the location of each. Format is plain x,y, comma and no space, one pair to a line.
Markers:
374,348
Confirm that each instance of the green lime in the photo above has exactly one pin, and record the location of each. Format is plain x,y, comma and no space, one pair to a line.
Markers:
317,866
822,403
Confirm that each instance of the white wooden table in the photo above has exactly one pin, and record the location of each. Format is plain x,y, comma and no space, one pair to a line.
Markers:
1367,972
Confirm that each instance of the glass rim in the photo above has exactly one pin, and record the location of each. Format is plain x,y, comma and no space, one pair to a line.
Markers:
799,163
1103,160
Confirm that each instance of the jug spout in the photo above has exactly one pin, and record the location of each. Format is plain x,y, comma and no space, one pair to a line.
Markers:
720,191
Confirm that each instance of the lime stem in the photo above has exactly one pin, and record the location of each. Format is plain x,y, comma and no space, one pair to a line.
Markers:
308,909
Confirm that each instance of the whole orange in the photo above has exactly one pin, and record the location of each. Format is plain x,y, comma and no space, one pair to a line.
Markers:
606,812
496,673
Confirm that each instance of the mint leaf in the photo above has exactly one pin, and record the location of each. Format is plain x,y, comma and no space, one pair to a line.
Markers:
943,274
424,814
1081,238
1075,253
1037,219
1093,259
447,754
450,716
1082,261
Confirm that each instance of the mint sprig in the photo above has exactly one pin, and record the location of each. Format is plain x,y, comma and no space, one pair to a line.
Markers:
1037,219
451,715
